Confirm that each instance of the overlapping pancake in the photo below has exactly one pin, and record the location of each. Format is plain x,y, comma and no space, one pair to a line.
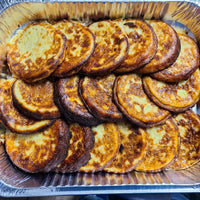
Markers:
34,52
163,145
41,151
111,48
168,47
142,44
78,154
175,97
131,99
97,95
106,146
186,63
132,150
80,46
189,127
35,100
12,118
70,103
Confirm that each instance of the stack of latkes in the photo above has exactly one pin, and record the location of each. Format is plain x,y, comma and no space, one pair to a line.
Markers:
113,96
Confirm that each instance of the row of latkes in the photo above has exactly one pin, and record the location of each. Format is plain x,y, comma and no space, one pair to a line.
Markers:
91,65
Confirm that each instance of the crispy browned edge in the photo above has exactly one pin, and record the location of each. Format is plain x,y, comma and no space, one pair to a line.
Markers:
54,65
69,115
79,65
174,56
175,154
122,70
102,167
167,107
164,76
134,120
74,71
7,125
83,159
5,122
173,79
61,148
36,115
102,71
100,116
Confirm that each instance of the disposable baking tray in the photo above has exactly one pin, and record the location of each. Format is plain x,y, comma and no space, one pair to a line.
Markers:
15,183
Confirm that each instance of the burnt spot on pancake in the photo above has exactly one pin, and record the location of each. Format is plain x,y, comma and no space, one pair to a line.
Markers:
130,24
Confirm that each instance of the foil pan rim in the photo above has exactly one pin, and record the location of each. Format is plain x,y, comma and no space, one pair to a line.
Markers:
7,190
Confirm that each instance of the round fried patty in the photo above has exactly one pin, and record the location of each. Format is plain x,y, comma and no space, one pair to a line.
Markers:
142,44
78,154
34,52
41,151
131,99
163,145
189,128
111,48
97,95
80,46
35,100
186,63
168,47
175,97
12,118
132,149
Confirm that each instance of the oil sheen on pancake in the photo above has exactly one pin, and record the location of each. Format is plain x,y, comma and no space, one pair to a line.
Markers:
142,44
34,52
111,48
132,150
106,146
135,104
70,103
78,154
177,97
189,128
168,47
80,46
35,100
41,151
186,63
97,94
12,118
163,144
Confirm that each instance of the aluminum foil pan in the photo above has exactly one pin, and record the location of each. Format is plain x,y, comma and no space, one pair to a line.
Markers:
14,182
